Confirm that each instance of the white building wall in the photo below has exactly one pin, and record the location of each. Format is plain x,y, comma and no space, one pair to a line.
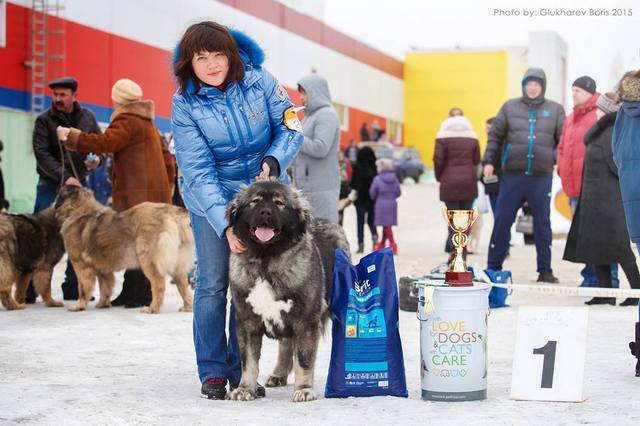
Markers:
547,50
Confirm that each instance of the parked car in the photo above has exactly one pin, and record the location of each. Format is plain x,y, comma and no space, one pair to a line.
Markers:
407,161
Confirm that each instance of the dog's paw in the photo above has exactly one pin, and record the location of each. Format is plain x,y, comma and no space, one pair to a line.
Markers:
76,308
149,310
54,304
186,309
243,394
16,307
103,304
303,395
275,381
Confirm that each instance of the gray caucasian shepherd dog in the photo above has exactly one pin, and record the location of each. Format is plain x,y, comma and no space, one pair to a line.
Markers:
154,237
281,284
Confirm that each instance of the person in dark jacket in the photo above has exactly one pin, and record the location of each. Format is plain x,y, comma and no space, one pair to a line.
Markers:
598,233
364,133
528,129
55,165
455,162
384,191
143,168
363,174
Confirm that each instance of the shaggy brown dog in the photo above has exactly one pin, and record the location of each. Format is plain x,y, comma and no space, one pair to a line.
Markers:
30,246
154,237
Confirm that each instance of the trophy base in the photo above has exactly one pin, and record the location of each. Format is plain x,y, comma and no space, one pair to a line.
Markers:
460,279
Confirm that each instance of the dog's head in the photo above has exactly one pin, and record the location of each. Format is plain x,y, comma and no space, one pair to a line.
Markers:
269,216
71,199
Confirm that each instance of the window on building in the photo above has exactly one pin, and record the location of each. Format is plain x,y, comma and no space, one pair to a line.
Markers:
343,115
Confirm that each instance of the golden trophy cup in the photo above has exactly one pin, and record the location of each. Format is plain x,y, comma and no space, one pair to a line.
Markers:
460,221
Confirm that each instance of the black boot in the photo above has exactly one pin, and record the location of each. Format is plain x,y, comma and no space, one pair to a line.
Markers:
140,290
214,388
635,349
125,295
31,294
601,301
629,301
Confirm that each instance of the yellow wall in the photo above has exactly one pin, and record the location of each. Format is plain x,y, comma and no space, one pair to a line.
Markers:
477,82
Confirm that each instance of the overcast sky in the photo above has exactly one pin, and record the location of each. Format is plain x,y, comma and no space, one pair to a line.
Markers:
600,46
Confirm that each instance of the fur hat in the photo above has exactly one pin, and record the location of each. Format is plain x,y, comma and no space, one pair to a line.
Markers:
456,127
384,165
629,87
125,91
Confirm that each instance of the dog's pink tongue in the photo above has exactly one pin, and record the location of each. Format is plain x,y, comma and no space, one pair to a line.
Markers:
264,234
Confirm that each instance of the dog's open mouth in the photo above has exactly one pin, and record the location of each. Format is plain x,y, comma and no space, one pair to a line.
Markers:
265,233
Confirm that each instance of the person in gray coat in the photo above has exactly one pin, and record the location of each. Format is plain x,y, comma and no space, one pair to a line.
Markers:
316,168
527,131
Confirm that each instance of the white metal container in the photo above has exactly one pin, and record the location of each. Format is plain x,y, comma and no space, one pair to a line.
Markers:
453,342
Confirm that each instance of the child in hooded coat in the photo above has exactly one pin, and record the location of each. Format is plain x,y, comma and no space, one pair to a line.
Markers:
385,191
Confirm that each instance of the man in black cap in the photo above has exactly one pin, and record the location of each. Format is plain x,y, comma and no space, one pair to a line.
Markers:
55,165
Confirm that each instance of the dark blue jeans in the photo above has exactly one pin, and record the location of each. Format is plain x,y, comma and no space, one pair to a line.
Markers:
216,355
45,196
515,189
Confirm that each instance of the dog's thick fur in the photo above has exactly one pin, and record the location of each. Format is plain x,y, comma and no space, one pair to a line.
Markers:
30,247
154,237
280,287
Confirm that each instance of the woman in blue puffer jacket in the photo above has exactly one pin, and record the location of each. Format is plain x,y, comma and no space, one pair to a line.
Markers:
229,127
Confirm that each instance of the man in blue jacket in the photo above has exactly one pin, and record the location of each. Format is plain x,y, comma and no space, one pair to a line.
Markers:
527,131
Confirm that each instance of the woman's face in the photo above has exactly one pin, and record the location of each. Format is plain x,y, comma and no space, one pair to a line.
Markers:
210,67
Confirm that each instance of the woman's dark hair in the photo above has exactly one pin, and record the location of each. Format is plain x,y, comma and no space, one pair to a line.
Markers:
206,36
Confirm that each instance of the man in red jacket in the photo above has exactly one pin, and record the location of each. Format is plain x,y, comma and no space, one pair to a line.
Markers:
571,147
571,152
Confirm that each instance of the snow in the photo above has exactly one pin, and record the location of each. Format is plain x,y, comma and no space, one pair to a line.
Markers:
119,366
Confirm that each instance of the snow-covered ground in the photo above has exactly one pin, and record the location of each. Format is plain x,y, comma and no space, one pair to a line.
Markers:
119,366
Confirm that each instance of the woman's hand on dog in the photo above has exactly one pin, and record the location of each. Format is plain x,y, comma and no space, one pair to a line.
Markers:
235,244
264,174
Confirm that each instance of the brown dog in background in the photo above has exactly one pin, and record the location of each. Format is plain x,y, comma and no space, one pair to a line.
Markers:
154,237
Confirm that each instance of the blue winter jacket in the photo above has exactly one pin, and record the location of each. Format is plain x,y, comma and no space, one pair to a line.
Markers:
626,154
222,137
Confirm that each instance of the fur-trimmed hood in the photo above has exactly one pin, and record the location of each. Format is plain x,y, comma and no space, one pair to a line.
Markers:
250,51
144,109
456,127
629,87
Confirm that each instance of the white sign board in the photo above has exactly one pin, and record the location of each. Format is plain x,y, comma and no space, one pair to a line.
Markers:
548,364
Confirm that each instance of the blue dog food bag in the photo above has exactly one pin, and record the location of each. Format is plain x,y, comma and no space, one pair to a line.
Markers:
366,352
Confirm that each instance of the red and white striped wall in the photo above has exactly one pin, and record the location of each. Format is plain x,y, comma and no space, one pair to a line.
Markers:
108,40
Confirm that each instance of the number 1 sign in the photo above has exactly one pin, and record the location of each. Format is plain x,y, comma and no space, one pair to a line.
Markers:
548,363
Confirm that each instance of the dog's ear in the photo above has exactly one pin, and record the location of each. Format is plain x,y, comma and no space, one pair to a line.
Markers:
302,206
235,206
65,193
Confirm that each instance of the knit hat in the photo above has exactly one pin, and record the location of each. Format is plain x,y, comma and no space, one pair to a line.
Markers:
125,91
629,87
606,102
384,165
585,83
